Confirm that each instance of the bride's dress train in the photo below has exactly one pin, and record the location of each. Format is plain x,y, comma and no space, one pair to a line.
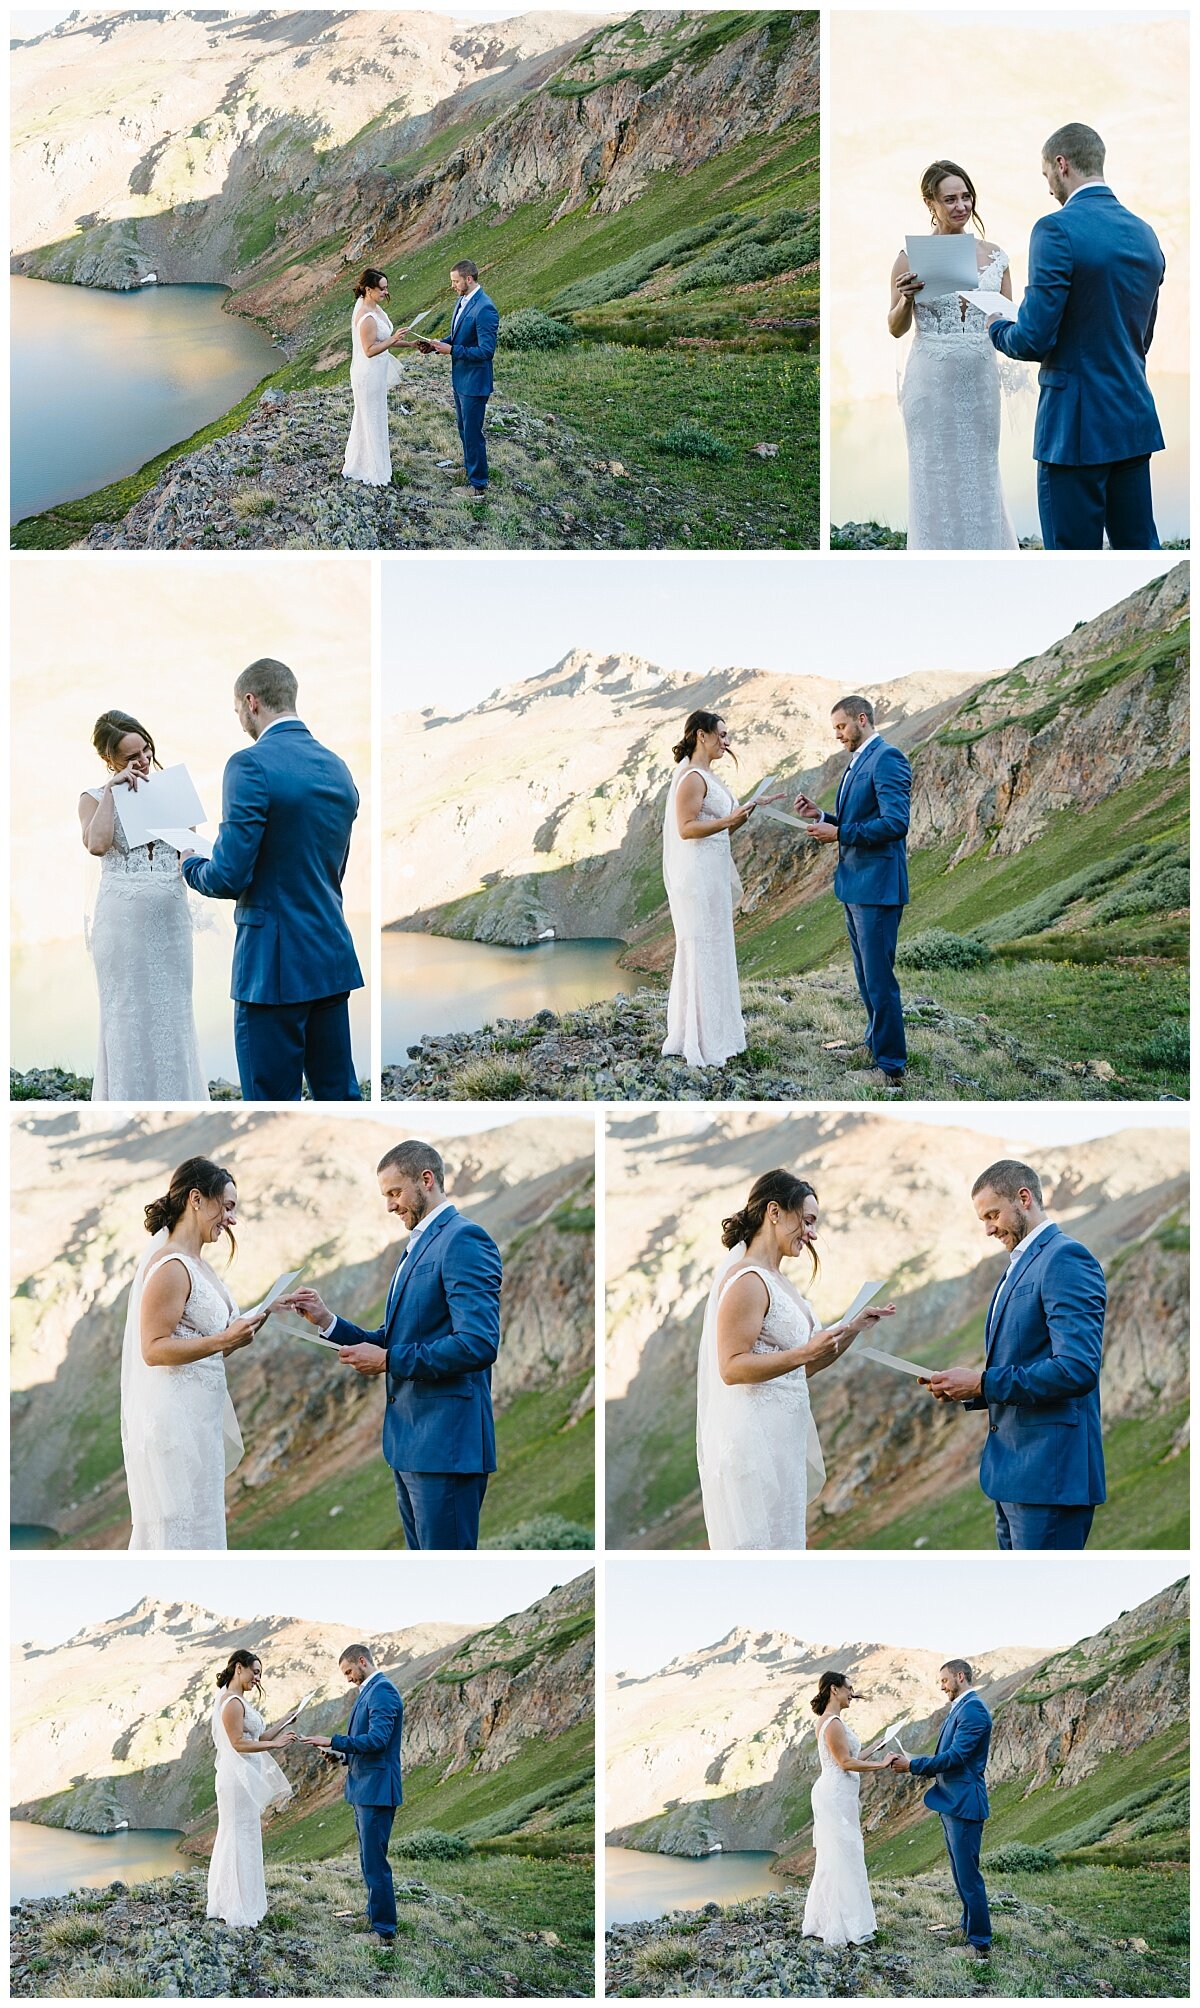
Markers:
838,1908
246,1786
179,1434
950,401
756,1445
704,1008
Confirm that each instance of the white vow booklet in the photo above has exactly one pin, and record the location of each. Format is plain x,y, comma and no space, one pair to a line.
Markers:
892,1735
860,1303
893,1361
990,303
943,264
166,801
185,840
278,1289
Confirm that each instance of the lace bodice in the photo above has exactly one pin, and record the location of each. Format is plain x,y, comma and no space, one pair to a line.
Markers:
139,865
789,1322
828,1762
950,318
209,1309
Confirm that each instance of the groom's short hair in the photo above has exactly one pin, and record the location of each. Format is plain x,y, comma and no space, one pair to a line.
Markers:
1079,145
271,682
411,1159
856,707
1007,1177
468,266
360,1654
961,1667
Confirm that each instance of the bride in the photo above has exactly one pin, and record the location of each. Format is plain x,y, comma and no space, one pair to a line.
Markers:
179,1434
368,449
704,1010
838,1909
140,936
248,1781
756,1443
950,396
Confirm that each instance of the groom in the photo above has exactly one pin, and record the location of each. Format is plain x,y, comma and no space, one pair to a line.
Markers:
1088,317
287,810
959,1795
869,823
472,344
439,1337
1043,1455
370,1750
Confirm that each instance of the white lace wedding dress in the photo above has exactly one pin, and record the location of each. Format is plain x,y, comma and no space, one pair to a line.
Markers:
140,937
950,401
246,1786
368,449
179,1434
704,1009
838,1908
756,1445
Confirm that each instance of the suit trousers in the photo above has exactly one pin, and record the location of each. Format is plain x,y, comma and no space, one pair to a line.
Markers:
373,1825
873,932
470,413
964,1838
279,1046
1077,505
440,1509
1042,1526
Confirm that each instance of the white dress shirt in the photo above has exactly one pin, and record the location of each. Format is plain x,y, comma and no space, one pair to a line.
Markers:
461,306
409,1245
1098,183
860,748
1018,1255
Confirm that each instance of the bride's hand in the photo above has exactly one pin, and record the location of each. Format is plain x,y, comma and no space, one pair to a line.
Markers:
240,1333
127,778
867,1319
741,814
823,1348
908,285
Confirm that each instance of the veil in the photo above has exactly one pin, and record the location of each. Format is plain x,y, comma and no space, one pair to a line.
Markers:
719,1409
152,1449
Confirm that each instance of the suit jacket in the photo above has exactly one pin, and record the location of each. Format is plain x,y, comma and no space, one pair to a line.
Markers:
958,1763
1088,318
473,344
371,1745
441,1328
287,810
1041,1384
871,815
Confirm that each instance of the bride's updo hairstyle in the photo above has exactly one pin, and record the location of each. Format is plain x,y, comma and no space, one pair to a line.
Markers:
825,1686
109,730
371,278
775,1188
935,174
239,1658
697,722
196,1174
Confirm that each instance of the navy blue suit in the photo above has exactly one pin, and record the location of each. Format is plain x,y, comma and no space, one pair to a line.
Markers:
472,346
441,1330
371,1749
871,814
288,807
960,1797
1088,317
1043,1456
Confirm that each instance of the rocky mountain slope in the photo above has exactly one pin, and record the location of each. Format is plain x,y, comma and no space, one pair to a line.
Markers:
895,1203
542,806
312,1459
720,1744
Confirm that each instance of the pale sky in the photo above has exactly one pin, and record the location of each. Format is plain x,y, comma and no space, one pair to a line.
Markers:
54,1595
806,616
1028,1124
656,1610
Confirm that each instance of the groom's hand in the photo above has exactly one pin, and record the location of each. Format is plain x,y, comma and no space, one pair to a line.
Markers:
364,1358
318,1742
901,1764
823,833
310,1305
441,348
805,806
956,1384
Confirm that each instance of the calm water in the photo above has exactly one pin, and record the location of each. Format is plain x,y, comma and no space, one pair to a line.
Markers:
48,1861
638,1886
55,1015
869,463
22,1535
103,381
431,984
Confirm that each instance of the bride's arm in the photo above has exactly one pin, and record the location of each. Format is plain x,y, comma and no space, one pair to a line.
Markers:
689,800
371,344
98,820
164,1300
838,1745
739,1323
233,1715
904,285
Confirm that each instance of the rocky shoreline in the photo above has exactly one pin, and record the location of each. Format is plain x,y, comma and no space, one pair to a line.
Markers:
59,1084
802,1035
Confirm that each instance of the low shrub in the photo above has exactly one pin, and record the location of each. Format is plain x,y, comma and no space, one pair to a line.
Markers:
937,948
530,328
1018,1855
688,441
1168,1046
545,1530
429,1844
